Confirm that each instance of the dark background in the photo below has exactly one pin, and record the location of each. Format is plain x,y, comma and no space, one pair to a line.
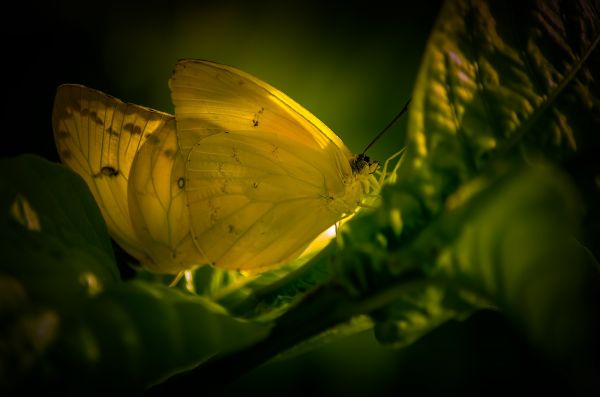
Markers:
353,65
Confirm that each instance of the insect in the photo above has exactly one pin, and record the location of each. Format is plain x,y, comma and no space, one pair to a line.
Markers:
241,177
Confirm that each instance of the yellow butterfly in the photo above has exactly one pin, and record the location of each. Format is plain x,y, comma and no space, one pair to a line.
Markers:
241,177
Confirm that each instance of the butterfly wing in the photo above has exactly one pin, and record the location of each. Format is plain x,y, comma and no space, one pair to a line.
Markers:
98,136
210,97
157,204
260,168
255,203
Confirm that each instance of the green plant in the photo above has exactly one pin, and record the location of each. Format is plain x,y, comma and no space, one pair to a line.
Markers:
495,206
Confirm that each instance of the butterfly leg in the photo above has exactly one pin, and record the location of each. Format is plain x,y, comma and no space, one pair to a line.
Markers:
177,278
392,175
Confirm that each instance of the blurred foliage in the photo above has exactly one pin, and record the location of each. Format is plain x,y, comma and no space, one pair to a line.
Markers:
67,312
494,209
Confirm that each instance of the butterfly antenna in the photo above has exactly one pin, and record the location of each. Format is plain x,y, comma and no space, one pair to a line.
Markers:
387,127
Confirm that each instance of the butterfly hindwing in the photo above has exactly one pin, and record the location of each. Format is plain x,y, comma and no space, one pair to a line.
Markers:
158,206
98,136
261,168
254,203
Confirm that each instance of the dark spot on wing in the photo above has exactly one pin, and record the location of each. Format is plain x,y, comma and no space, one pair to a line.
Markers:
255,185
112,132
96,119
153,139
231,229
132,128
256,119
107,171
169,153
181,183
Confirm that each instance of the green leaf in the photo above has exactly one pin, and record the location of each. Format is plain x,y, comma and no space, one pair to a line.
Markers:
274,293
519,249
138,333
497,76
354,326
54,240
499,79
56,254
506,241
446,272
419,312
61,200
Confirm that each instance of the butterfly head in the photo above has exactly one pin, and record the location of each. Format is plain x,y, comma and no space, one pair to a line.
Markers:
363,165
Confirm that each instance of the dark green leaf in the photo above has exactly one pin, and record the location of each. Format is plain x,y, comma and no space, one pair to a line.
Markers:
61,199
54,240
505,240
70,321
139,333
56,254
500,75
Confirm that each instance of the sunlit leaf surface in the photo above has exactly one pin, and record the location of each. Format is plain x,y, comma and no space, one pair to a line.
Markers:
499,76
